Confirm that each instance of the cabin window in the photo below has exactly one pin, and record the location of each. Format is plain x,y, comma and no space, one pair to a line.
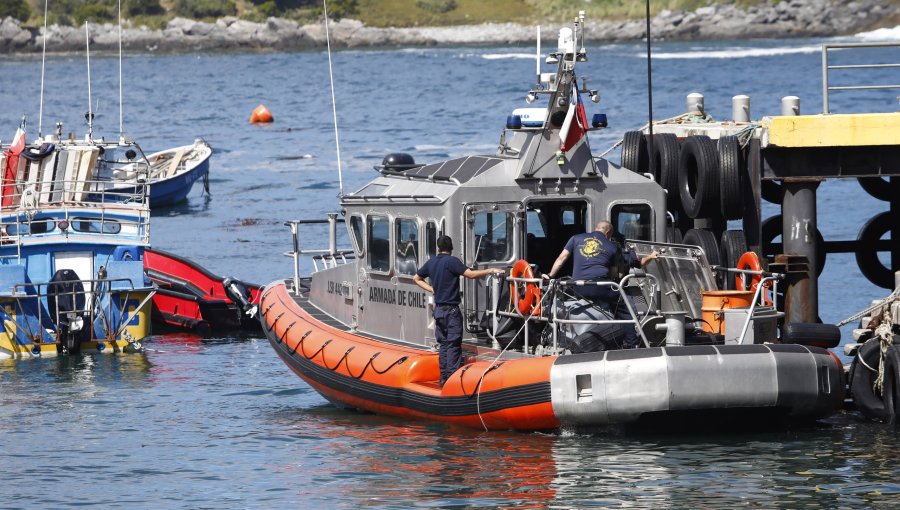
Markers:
493,236
95,226
431,236
407,256
33,227
633,221
379,244
356,231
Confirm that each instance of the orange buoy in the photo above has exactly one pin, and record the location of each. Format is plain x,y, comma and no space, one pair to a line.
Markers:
261,115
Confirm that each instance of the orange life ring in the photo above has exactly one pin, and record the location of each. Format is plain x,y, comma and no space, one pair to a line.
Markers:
750,260
527,302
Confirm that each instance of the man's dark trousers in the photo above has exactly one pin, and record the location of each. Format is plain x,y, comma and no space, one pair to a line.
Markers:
448,333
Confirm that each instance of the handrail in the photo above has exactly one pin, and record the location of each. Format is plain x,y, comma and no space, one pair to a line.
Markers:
332,253
553,319
825,68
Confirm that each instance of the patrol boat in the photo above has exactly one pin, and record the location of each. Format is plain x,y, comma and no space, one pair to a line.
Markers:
71,271
360,332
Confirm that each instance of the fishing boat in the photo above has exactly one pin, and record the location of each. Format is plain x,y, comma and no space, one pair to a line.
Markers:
171,175
192,298
71,271
360,331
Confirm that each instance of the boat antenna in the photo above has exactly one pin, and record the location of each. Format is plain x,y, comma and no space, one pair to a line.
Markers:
537,59
337,139
89,116
43,62
649,92
121,128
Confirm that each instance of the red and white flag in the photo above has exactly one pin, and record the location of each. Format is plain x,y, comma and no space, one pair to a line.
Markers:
8,187
575,126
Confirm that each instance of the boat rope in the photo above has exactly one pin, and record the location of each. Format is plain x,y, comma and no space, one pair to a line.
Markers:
299,342
291,325
266,312
275,322
877,306
885,337
494,362
366,367
321,348
344,357
398,361
684,118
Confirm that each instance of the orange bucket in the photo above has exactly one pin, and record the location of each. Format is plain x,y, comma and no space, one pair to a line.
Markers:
714,301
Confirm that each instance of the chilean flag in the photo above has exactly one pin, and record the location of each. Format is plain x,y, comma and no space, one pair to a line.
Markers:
570,134
8,187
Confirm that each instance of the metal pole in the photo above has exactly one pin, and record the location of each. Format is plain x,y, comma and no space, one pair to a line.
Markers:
799,234
825,78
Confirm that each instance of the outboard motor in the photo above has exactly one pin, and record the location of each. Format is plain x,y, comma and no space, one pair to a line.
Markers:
66,303
238,292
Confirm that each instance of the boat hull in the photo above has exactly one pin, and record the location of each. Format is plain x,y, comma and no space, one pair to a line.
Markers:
595,389
192,298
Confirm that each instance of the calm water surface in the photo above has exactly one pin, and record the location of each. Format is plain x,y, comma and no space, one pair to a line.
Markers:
222,423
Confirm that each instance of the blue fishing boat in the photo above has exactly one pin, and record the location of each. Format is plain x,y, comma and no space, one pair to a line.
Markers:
71,251
171,174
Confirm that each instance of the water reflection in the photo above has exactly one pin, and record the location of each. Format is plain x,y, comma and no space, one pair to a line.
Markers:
355,459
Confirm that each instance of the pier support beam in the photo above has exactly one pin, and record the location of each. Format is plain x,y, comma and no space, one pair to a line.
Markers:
798,213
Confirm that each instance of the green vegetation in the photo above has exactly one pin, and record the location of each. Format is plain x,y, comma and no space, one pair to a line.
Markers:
204,9
376,13
18,9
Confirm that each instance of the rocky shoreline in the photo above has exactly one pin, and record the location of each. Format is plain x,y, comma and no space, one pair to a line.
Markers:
786,18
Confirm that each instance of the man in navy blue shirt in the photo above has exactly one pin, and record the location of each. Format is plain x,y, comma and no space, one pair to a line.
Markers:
444,271
595,256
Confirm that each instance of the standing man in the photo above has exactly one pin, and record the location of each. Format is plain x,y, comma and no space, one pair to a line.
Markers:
444,271
595,260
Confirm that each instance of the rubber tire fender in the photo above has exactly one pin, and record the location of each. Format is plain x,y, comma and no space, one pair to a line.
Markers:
634,152
876,187
732,169
698,179
731,247
867,254
869,404
664,165
771,191
826,336
706,241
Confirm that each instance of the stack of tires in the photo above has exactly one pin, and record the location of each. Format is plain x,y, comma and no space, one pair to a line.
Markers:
704,179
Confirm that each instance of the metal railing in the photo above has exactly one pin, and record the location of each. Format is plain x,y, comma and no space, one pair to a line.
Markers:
99,291
555,320
826,88
330,257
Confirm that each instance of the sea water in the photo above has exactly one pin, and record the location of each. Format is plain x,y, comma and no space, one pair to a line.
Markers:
203,423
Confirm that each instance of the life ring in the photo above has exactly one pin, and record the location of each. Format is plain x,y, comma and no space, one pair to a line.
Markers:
750,260
527,302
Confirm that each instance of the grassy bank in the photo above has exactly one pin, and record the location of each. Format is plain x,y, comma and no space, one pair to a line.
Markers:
376,13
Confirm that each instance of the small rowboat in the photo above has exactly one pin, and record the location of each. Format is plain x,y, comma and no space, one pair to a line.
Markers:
171,175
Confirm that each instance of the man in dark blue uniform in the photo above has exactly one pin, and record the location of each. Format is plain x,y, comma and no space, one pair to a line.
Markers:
595,256
444,271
